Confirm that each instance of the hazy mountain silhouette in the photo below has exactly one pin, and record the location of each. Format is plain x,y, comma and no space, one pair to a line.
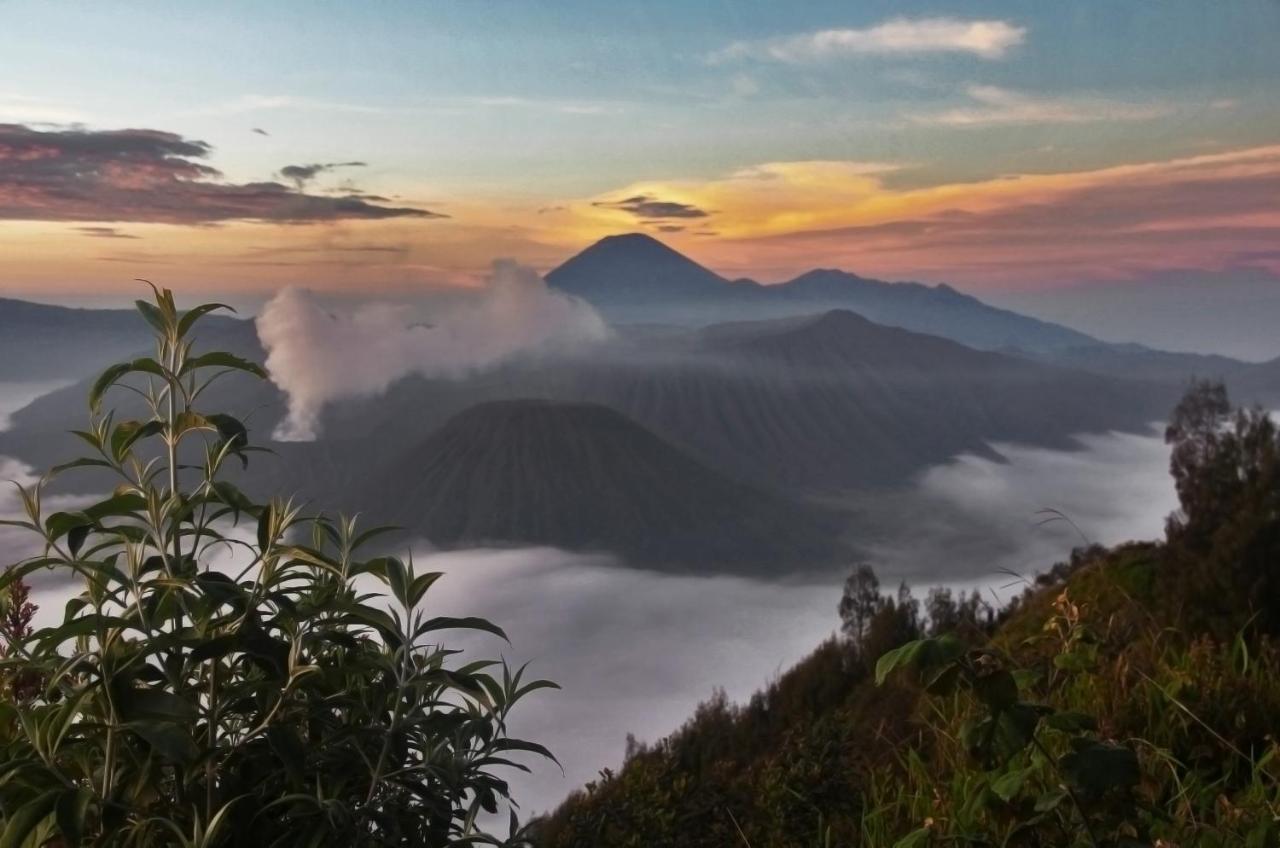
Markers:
636,277
819,404
583,476
637,269
40,342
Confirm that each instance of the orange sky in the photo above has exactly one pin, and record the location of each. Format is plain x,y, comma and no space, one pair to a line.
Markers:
772,220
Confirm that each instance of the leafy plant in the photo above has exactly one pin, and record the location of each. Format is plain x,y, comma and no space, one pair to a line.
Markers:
232,672
1048,767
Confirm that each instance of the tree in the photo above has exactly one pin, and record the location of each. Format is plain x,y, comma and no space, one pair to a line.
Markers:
860,601
1226,469
277,702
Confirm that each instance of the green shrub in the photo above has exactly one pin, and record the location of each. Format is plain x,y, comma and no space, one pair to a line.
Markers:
279,703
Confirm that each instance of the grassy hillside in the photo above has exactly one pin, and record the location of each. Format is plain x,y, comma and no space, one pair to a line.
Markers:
1128,698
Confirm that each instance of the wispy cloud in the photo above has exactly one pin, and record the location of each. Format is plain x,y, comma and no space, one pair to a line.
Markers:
36,110
148,175
994,106
1209,211
985,39
538,104
104,232
249,103
300,175
647,207
281,102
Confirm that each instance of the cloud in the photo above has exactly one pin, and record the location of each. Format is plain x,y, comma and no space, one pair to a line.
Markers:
36,110
986,39
647,207
148,176
1210,211
281,102
317,356
996,106
634,651
300,175
105,232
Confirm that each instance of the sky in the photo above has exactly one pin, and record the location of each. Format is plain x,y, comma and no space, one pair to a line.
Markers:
998,146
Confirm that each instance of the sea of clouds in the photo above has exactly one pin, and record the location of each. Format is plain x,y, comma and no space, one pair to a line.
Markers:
635,651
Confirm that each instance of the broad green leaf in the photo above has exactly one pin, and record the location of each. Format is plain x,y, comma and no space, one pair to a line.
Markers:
153,315
1009,784
144,365
920,654
70,811
1095,767
471,623
23,821
167,739
191,316
220,359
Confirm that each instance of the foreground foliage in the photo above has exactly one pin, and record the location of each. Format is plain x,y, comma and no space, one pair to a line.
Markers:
232,673
1129,698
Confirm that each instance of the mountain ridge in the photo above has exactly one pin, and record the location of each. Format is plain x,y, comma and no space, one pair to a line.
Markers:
635,277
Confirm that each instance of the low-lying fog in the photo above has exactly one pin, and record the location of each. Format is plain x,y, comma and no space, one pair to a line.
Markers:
635,651
14,396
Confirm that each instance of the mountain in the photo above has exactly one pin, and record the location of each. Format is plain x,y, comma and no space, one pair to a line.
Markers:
585,477
817,405
637,278
43,342
635,269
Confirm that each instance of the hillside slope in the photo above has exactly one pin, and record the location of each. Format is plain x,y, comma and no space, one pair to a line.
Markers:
1127,698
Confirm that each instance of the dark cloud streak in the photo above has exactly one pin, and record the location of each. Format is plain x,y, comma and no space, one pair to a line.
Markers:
150,176
104,232
647,207
300,175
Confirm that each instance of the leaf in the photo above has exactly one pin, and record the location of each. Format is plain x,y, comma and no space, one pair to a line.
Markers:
920,654
447,623
191,316
421,583
1084,658
166,739
1009,784
1049,801
221,359
997,689
144,365
137,704
127,433
153,315
997,738
266,528
70,811
60,524
1071,722
76,537
1096,767
527,747
23,821
914,839
123,504
215,648
84,462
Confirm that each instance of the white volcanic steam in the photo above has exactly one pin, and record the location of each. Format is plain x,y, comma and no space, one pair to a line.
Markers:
317,356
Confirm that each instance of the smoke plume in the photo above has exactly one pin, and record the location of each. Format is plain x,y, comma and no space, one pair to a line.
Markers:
317,356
